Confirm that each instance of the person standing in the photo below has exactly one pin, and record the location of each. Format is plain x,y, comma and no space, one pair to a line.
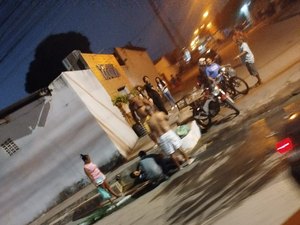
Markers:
95,175
247,58
142,93
164,136
238,33
135,104
163,87
154,95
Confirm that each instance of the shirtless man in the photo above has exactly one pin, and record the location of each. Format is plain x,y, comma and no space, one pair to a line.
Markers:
163,135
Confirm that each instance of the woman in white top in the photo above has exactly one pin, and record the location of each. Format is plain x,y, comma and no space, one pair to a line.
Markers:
163,87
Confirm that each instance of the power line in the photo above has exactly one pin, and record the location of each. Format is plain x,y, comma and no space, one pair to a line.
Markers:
163,23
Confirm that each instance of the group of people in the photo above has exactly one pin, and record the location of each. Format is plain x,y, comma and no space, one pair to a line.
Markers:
156,167
148,108
156,121
209,70
150,96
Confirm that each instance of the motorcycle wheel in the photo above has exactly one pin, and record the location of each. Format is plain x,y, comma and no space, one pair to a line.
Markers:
239,85
203,120
214,108
232,106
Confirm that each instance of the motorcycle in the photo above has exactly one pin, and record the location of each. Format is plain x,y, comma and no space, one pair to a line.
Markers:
200,115
234,84
221,97
209,105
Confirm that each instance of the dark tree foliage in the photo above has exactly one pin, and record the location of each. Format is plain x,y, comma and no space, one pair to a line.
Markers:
228,15
49,54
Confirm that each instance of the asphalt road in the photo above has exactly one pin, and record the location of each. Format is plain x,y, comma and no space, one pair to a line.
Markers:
235,165
236,161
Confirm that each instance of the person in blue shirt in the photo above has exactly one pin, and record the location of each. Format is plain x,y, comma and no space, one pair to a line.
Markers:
212,72
212,69
150,168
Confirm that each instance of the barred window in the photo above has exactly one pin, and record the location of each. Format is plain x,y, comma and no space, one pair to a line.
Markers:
108,71
10,147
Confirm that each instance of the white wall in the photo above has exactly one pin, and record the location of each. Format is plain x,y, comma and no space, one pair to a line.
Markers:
99,103
51,133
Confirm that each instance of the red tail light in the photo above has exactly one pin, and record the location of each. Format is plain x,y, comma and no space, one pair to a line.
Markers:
284,146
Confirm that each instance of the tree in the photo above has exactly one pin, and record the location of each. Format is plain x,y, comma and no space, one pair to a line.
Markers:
49,54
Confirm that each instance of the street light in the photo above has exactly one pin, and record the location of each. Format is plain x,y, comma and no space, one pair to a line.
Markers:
194,43
245,11
196,31
209,25
205,14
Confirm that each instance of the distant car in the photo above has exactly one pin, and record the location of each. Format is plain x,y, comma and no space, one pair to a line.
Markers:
289,144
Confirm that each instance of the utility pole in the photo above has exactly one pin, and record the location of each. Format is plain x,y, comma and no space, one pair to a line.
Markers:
155,10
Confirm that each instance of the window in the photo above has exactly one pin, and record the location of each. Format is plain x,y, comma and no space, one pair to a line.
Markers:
10,147
108,71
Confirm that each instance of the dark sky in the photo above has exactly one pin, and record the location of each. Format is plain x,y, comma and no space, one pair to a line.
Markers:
106,23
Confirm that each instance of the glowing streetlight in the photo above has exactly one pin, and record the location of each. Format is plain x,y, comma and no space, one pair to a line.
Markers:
205,14
196,31
244,9
209,25
194,43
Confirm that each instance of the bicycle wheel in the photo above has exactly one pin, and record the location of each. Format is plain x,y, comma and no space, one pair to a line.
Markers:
240,86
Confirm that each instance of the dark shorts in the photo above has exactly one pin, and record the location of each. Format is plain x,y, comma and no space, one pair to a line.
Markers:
252,69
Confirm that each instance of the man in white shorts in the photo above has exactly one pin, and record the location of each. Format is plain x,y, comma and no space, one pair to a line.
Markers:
164,136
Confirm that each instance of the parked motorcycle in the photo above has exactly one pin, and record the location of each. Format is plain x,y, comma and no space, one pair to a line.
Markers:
221,97
201,116
209,105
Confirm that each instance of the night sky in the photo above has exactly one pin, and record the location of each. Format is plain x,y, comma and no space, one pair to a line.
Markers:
106,23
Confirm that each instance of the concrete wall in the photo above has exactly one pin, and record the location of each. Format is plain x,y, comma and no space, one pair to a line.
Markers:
50,133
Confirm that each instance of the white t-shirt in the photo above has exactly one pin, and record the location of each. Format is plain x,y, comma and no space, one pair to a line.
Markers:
249,57
163,88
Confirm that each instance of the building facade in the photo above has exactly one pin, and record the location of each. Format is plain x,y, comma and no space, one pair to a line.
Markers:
166,69
41,143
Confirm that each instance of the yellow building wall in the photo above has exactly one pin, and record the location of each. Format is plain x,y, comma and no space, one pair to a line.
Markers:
111,85
138,64
164,67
